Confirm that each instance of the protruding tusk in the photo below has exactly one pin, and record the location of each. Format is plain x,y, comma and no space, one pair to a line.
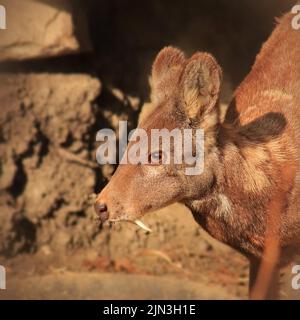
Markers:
142,225
138,223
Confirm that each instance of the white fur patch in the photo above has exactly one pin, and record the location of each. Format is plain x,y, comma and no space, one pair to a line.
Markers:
224,208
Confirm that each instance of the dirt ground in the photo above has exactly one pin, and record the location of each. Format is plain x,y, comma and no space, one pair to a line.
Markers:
188,255
102,286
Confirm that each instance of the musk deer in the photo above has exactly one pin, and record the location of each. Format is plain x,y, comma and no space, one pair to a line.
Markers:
250,186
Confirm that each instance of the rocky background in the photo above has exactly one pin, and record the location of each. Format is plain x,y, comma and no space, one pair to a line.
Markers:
70,68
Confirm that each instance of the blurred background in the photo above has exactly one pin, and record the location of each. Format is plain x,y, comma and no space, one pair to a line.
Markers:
68,69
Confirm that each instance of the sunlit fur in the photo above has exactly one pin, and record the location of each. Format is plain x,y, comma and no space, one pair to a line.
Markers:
244,154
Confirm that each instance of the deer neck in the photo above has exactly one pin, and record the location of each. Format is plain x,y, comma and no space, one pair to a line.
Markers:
242,173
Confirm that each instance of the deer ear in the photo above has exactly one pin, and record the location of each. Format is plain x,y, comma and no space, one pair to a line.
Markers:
166,71
201,84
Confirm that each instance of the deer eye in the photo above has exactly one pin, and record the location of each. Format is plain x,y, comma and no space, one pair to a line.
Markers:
156,156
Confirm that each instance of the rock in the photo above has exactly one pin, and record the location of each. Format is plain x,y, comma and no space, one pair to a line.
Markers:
118,94
55,182
40,106
107,171
7,175
42,114
37,29
6,222
134,102
126,100
60,99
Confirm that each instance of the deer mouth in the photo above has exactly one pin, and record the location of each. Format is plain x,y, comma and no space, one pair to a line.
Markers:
138,223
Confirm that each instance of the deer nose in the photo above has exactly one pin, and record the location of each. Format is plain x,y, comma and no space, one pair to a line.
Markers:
101,210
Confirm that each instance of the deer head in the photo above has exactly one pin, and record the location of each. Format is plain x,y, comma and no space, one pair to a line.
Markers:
184,93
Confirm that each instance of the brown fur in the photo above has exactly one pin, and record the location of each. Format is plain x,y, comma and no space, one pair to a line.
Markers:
244,156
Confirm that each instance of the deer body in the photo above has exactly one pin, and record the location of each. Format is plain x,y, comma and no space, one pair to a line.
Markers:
250,157
260,139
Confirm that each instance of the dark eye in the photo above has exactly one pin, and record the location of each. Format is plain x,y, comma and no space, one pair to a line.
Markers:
156,157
